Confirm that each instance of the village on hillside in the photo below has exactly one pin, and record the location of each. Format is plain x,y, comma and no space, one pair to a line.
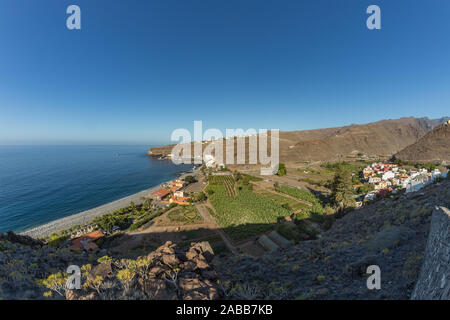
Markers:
389,177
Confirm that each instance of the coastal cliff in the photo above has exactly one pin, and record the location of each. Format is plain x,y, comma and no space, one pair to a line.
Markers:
159,152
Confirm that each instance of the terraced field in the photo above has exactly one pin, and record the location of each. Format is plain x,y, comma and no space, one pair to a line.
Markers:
185,215
280,199
246,214
227,181
300,194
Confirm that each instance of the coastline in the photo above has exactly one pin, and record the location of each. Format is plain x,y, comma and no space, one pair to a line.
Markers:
87,216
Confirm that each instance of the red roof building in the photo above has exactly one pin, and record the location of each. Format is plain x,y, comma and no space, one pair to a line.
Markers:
86,242
161,193
180,200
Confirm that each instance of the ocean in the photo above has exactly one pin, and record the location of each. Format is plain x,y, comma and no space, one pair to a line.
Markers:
39,184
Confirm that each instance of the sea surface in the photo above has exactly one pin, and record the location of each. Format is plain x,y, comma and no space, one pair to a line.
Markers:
39,184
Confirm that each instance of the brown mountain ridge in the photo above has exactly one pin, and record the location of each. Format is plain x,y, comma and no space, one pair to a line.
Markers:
381,138
434,146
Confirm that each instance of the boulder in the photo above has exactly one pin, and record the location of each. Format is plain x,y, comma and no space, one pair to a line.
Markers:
156,271
72,295
200,248
189,266
80,295
167,247
196,289
103,270
156,289
201,263
170,260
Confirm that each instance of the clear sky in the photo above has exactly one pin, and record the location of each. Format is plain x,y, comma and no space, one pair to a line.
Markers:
139,69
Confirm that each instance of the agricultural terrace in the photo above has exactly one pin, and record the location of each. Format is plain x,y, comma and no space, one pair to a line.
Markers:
184,215
323,175
226,181
300,194
282,200
316,207
246,213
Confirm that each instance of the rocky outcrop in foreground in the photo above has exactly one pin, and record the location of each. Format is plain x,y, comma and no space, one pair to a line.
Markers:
164,274
30,269
24,260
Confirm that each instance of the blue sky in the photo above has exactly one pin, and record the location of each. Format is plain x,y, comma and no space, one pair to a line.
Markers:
139,69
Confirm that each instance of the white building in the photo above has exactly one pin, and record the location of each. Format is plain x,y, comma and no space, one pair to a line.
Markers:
435,173
370,196
210,161
178,194
388,175
374,180
414,186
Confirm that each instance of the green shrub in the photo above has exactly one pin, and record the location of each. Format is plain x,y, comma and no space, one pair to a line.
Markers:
317,217
282,169
200,197
56,240
190,179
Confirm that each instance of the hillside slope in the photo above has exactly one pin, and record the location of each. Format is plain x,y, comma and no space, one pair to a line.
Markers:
389,233
374,139
434,146
382,138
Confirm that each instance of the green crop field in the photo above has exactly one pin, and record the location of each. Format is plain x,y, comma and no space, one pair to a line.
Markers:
300,194
280,199
226,181
246,214
185,215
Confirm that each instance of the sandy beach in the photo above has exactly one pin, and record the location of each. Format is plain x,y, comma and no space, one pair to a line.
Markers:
87,216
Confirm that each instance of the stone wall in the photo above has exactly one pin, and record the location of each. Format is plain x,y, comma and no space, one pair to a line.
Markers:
434,278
